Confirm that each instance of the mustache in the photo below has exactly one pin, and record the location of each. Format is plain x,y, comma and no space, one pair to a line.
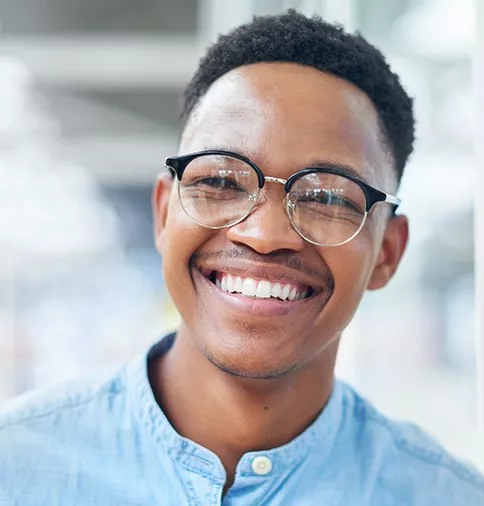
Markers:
274,258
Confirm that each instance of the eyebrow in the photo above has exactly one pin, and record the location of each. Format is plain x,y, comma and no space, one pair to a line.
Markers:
316,164
340,167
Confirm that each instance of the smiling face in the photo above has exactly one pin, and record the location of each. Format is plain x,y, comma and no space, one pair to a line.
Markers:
283,117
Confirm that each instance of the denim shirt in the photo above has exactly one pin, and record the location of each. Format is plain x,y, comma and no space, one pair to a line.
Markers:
105,442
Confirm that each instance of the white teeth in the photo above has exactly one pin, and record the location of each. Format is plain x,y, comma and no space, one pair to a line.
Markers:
249,287
230,283
238,284
285,292
263,289
276,290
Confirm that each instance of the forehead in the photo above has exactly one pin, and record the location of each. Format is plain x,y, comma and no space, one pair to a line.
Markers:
286,117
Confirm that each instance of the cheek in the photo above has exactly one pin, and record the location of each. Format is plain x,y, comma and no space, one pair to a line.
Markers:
351,266
356,260
182,233
183,238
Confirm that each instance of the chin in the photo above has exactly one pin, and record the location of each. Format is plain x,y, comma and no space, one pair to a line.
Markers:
254,350
246,367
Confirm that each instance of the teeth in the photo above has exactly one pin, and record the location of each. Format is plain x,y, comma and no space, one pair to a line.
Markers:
230,283
249,287
223,284
238,284
285,292
276,290
263,289
302,295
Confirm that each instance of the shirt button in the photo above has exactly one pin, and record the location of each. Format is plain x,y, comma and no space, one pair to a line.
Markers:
262,465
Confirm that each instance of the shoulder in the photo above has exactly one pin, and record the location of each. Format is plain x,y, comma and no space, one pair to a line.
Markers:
408,460
46,434
40,425
40,406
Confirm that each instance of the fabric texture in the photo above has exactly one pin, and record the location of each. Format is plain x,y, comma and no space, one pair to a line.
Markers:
105,441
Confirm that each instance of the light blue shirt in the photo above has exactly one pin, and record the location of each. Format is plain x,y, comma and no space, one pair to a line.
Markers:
106,442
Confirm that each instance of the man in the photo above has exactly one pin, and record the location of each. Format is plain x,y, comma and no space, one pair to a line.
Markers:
276,216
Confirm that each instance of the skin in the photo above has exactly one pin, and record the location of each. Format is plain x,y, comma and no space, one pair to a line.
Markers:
235,381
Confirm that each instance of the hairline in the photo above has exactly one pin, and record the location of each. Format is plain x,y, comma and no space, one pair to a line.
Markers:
382,135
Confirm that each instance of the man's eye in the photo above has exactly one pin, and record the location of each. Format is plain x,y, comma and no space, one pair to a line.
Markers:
341,202
328,199
218,183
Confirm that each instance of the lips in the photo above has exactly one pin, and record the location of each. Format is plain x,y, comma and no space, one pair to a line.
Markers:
294,287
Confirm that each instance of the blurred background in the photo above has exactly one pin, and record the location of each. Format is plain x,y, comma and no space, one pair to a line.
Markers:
89,101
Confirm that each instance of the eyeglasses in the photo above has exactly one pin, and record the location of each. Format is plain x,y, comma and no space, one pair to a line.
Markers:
327,207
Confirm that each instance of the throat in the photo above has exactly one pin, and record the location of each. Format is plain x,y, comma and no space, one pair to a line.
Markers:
231,416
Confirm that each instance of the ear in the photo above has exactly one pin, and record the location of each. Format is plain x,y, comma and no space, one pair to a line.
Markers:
161,202
394,242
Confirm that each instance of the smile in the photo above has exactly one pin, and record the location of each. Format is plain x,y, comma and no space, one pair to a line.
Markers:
259,288
259,291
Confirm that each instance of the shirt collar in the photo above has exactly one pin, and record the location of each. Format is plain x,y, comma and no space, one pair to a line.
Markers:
318,437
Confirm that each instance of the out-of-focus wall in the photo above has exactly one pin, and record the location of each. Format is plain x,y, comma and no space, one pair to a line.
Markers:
89,109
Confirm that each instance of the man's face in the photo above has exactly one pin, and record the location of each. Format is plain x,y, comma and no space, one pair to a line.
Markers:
285,118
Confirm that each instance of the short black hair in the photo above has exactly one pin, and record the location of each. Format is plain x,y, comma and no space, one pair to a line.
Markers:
295,38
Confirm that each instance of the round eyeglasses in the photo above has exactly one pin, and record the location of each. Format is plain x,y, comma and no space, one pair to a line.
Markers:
327,207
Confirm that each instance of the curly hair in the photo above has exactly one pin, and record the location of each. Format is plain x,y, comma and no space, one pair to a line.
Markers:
295,38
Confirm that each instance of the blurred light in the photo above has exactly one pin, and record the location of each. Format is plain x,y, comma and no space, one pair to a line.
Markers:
21,119
441,29
48,206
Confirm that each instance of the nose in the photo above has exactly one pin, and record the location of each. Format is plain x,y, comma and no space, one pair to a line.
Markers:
267,229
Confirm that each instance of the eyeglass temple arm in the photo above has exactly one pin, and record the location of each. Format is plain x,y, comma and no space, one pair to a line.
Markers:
390,199
394,201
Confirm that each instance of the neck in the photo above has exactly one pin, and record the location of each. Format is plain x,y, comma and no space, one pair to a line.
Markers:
230,415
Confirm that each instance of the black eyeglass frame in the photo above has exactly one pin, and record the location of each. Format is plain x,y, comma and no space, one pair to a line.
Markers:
178,164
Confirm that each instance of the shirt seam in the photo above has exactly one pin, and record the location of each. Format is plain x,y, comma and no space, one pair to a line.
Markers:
204,474
433,458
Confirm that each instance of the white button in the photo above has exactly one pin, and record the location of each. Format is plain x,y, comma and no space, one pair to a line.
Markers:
262,465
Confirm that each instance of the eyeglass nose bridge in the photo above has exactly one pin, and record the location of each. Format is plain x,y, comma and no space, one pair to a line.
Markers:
288,204
275,180
279,180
